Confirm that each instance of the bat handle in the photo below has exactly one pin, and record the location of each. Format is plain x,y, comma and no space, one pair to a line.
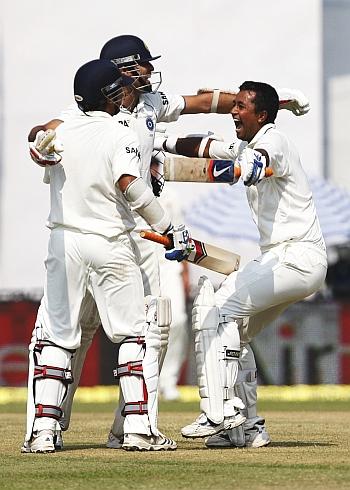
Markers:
155,237
268,172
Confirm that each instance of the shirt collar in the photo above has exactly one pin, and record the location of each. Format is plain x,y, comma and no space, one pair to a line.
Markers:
261,131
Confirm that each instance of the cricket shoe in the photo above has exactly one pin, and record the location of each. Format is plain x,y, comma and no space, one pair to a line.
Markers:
114,442
141,442
58,440
203,427
255,437
41,442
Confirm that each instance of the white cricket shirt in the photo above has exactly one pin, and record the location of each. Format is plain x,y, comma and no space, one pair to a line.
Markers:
282,205
97,152
152,108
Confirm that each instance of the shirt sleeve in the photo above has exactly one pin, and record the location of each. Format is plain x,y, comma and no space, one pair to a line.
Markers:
69,111
168,107
276,146
225,150
126,156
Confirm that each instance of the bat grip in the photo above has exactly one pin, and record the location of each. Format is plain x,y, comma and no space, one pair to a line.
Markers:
155,237
268,172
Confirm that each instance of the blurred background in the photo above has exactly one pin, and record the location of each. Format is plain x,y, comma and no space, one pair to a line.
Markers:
295,44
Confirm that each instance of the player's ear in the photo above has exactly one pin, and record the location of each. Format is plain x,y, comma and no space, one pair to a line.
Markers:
262,117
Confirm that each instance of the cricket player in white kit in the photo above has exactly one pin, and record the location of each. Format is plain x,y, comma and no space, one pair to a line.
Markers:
90,247
141,111
292,265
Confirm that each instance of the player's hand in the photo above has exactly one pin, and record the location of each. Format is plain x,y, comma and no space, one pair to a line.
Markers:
182,243
253,165
46,149
293,100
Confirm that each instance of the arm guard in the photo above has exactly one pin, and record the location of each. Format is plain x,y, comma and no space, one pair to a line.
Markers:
142,200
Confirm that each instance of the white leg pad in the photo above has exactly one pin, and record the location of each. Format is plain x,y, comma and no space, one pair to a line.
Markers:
30,395
205,322
158,313
246,386
162,316
158,318
230,350
118,423
51,375
132,385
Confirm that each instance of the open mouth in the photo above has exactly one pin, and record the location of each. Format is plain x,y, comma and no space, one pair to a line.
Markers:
238,124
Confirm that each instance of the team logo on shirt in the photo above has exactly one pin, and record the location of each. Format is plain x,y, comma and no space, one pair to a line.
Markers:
164,98
131,149
150,123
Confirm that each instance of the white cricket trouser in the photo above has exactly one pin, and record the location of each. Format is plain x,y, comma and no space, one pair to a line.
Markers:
108,267
147,256
266,286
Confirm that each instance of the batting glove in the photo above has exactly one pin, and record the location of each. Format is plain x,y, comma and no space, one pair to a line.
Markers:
182,244
253,165
293,100
45,150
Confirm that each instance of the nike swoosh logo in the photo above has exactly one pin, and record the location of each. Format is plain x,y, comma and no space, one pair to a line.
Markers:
216,173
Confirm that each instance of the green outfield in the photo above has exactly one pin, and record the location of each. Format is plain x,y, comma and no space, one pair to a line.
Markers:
309,427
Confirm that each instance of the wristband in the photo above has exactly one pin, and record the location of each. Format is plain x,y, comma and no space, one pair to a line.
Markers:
202,146
215,100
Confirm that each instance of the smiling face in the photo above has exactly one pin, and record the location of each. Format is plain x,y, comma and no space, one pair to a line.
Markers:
247,121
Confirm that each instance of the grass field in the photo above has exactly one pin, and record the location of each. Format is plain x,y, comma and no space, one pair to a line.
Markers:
310,449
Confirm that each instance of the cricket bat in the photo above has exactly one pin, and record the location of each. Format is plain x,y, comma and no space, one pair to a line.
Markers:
208,256
185,169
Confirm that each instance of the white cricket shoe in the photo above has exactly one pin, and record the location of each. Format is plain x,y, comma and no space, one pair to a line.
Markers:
114,442
41,442
256,437
141,442
25,447
203,427
58,440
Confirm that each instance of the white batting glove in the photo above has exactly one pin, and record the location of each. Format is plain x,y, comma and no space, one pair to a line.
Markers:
182,243
253,165
293,100
46,149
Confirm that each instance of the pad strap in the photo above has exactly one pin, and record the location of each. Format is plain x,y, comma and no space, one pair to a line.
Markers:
52,372
50,411
138,408
40,344
246,375
131,368
134,340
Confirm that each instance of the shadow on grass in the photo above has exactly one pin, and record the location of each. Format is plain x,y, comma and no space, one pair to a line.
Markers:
79,447
302,444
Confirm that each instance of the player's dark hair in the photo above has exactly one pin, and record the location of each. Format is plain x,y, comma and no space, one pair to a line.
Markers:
266,98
